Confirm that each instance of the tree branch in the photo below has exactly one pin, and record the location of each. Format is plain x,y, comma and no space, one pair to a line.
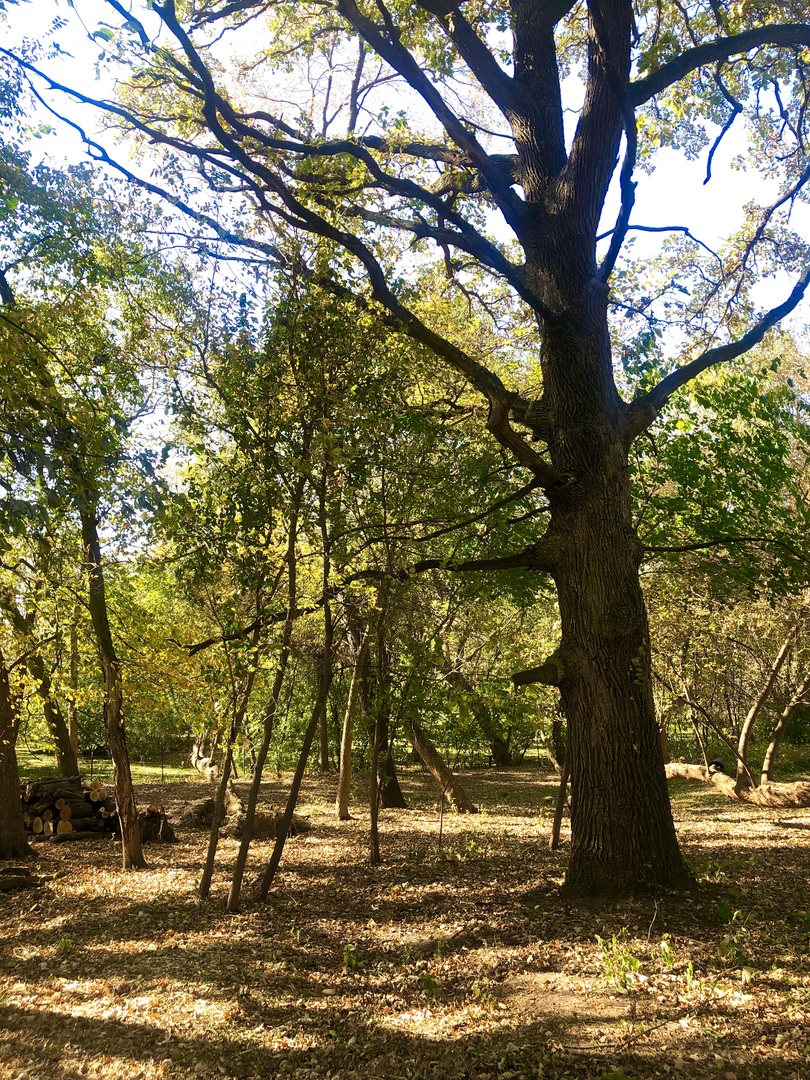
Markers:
722,541
493,79
788,35
642,412
536,557
403,62
550,673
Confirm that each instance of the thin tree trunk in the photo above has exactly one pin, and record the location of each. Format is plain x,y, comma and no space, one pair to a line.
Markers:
13,841
744,778
323,742
67,761
781,726
558,743
132,851
225,783
216,821
345,778
73,682
559,807
325,671
271,709
374,796
448,783
323,522
379,712
284,825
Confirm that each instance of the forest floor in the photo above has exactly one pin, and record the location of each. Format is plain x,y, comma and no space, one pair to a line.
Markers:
456,958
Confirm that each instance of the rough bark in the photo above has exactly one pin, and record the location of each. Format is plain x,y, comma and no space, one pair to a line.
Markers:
13,842
623,836
448,783
132,851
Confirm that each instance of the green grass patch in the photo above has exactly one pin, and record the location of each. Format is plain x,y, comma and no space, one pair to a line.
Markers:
37,765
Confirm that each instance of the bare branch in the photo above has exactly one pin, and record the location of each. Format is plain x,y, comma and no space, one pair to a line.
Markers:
722,541
535,557
402,61
667,228
643,411
736,109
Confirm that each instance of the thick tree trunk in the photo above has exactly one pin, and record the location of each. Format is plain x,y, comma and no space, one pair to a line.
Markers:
448,784
13,842
622,833
132,851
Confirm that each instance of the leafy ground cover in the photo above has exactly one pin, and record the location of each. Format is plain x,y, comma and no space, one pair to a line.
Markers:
456,958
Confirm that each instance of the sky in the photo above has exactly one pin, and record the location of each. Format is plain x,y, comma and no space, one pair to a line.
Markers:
675,193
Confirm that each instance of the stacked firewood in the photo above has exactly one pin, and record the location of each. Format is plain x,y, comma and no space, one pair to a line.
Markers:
61,807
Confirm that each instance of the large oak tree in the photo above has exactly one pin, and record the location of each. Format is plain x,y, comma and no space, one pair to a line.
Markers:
482,89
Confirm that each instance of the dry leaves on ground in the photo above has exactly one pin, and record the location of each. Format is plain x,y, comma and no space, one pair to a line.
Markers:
441,963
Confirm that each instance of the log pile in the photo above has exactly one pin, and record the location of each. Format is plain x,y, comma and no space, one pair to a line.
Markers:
61,806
